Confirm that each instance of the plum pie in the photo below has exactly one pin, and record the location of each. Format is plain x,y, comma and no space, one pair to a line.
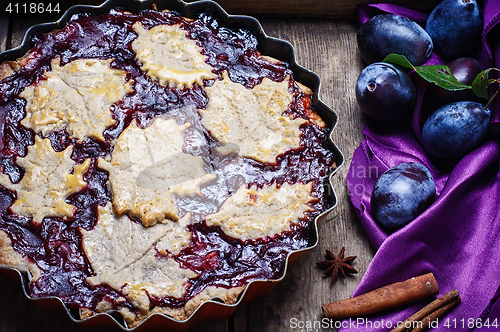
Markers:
151,162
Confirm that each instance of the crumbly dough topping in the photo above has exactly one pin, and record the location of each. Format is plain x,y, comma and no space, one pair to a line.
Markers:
226,295
168,178
168,56
148,167
252,119
126,256
77,96
255,213
49,178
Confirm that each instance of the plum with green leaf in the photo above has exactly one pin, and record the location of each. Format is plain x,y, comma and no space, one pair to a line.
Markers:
465,70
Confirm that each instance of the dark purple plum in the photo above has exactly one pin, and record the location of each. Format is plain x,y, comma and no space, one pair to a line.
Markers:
455,27
387,33
465,71
384,92
401,194
455,129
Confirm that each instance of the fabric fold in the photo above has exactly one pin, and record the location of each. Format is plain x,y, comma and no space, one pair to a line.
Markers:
457,237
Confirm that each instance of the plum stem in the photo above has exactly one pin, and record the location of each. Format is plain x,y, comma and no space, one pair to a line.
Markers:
488,104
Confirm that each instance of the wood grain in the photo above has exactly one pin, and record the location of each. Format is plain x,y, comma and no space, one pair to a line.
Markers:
22,23
333,9
4,31
17,314
328,48
337,9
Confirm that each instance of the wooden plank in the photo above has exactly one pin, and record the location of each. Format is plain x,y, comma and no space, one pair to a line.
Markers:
18,314
240,319
21,23
4,31
218,326
333,9
23,315
329,49
295,8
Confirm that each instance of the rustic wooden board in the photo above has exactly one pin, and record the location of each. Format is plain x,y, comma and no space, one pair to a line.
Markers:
311,8
19,314
4,31
294,8
327,47
21,23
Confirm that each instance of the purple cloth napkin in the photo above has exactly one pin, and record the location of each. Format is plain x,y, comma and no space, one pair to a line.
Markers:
458,237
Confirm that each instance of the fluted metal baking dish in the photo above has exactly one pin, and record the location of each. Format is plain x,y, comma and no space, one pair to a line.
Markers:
279,49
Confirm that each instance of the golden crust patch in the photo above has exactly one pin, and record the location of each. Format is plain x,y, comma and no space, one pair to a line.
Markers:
124,255
77,96
49,178
148,167
252,119
255,213
169,57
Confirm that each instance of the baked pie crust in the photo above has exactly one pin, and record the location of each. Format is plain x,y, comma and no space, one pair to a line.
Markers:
148,167
257,213
167,165
76,97
169,57
253,120
49,178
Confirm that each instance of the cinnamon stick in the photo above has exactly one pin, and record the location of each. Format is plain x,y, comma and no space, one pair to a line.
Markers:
384,298
442,311
429,313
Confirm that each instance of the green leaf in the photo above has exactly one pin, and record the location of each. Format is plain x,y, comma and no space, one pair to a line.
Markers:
441,76
481,83
437,74
398,59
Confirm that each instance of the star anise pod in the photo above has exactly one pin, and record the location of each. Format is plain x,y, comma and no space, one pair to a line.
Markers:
337,264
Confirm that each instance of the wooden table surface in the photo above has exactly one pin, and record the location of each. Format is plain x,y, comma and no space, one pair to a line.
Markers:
327,47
